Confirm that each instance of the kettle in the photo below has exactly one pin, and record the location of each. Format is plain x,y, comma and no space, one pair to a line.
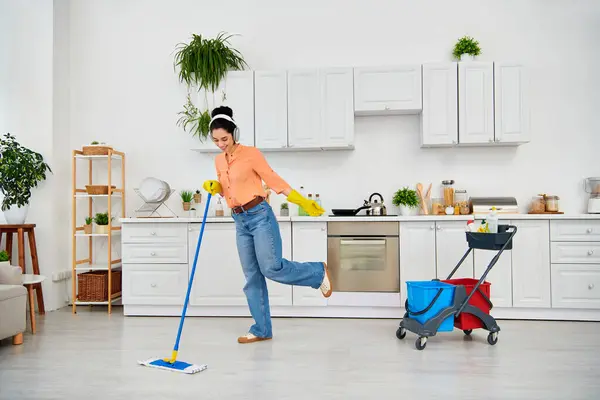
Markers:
376,208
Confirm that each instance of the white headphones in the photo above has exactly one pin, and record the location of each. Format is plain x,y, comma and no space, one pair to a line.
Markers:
236,131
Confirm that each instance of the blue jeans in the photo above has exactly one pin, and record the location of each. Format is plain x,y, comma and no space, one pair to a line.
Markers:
259,247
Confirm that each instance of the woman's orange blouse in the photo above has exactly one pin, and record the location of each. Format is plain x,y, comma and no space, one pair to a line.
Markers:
242,174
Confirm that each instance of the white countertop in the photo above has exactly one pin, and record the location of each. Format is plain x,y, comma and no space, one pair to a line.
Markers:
398,218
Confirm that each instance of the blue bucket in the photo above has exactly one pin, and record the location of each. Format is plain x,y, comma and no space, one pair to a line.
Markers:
421,293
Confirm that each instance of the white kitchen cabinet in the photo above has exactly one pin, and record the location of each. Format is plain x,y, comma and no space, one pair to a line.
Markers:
271,109
439,118
576,286
451,246
219,279
499,277
236,91
531,264
304,108
575,230
476,102
387,90
417,253
155,284
511,103
337,108
309,243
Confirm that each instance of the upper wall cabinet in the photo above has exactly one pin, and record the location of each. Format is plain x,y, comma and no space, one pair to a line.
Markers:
236,90
270,109
511,103
316,108
387,90
439,118
474,103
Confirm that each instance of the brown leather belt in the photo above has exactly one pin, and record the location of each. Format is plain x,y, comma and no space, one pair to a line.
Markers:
248,205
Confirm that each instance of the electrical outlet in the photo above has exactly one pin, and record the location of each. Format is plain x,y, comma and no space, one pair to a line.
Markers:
61,275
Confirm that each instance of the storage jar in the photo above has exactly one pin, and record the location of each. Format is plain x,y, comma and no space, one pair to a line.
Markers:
552,203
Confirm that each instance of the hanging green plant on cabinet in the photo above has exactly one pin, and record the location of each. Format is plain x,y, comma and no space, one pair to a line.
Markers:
203,63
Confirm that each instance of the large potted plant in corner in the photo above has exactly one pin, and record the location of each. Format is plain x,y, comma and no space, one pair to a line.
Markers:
21,170
406,199
203,63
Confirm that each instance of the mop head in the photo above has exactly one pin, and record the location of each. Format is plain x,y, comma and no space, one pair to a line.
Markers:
177,366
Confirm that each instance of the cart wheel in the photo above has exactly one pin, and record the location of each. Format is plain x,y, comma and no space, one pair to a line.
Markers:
401,333
492,338
468,331
421,343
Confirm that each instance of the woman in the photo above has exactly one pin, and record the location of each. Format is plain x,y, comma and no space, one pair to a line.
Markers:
240,171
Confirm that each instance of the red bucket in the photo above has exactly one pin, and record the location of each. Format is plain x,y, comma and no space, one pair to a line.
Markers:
467,321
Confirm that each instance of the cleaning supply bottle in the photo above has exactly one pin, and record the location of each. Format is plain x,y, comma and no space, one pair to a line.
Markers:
301,211
470,226
492,219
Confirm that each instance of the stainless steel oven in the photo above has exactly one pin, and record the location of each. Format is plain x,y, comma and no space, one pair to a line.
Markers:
363,256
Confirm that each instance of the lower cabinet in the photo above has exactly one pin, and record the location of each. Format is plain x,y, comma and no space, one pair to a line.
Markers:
309,244
531,264
219,278
151,284
417,253
499,277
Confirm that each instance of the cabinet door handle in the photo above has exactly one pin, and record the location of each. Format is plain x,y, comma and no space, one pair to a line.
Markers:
153,285
591,286
589,230
153,233
590,252
439,228
432,227
153,254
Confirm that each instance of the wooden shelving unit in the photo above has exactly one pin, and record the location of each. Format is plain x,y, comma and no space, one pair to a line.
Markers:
89,264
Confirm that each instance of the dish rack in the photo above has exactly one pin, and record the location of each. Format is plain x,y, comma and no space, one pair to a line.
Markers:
153,206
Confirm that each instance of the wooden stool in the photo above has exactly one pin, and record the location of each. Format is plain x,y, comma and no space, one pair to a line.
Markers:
20,231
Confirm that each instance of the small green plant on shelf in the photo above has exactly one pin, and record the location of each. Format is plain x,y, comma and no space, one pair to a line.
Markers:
285,209
466,45
3,256
186,199
87,227
101,220
406,199
197,197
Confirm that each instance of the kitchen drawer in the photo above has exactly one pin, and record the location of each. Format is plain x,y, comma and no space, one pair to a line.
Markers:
155,284
154,233
576,286
575,230
575,252
153,253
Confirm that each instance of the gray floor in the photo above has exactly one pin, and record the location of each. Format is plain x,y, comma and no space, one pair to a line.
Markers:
93,356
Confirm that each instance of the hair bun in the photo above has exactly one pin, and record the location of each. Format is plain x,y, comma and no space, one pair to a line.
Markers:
222,110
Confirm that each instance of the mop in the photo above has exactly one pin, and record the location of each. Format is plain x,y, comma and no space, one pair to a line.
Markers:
172,364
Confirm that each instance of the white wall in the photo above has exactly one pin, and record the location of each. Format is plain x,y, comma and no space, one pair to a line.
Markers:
119,87
26,110
124,89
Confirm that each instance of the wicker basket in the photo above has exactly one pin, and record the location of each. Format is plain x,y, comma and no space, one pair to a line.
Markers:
96,150
98,189
93,286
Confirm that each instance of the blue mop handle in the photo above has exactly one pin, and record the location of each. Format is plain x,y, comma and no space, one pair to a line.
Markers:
187,296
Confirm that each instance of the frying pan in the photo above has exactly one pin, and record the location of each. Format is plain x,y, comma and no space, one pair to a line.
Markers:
348,211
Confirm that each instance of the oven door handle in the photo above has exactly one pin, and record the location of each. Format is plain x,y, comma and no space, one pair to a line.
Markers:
362,241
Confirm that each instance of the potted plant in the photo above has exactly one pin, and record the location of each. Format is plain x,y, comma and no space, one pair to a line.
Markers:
204,62
4,258
21,169
406,199
87,227
186,199
466,48
101,220
197,197
285,212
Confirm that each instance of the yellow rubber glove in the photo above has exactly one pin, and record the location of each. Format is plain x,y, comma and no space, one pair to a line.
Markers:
212,187
311,207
